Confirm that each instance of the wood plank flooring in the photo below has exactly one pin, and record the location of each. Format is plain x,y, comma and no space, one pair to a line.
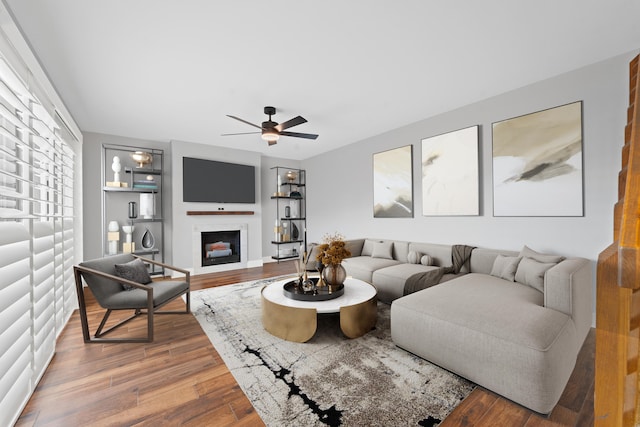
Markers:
180,379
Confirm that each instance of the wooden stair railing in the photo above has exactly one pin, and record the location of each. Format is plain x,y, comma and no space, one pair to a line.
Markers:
618,287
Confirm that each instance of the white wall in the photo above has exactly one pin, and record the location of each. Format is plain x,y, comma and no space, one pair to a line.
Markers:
183,225
340,196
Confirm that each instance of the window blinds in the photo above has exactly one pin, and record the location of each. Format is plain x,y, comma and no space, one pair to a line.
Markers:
37,293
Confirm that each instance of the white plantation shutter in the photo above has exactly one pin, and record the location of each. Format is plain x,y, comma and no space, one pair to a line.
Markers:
43,294
70,301
37,251
16,351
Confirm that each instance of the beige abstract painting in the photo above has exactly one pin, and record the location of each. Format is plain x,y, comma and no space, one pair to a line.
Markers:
393,183
537,163
450,183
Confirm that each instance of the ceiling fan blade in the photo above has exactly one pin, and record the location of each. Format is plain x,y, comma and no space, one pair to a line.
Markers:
244,121
299,135
291,123
241,133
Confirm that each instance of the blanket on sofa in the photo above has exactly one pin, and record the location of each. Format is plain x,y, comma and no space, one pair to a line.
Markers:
460,256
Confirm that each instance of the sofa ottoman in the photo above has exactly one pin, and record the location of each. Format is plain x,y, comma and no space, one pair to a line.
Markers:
494,332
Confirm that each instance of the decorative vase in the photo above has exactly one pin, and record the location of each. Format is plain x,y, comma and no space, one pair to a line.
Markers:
295,233
147,205
148,241
142,158
291,176
293,205
334,274
133,210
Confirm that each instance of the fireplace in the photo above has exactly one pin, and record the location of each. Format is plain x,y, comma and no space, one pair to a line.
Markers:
220,247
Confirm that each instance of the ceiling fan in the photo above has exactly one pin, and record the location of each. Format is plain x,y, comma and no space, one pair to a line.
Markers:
271,131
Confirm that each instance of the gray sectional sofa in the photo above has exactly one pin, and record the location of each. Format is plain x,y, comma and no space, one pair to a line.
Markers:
512,322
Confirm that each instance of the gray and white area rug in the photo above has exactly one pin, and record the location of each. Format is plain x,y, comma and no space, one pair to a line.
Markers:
329,380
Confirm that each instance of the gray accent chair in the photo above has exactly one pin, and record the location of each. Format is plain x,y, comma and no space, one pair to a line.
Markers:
144,299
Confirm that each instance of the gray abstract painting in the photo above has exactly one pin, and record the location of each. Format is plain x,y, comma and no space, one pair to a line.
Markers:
537,163
450,173
393,183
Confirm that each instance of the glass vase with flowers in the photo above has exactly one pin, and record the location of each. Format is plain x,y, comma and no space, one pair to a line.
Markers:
331,253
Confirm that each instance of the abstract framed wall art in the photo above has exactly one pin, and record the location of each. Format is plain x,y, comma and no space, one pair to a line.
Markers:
537,163
450,181
393,183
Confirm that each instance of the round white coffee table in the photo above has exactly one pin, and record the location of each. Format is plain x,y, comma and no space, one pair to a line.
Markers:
296,320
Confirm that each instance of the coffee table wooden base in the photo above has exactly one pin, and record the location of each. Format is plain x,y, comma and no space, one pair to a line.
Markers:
299,324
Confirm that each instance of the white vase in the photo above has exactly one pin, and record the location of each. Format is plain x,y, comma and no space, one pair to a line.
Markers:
147,205
294,211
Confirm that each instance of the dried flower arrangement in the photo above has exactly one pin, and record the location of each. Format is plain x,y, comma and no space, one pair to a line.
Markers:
333,249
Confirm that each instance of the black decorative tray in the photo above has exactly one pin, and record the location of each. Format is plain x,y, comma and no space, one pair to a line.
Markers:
323,293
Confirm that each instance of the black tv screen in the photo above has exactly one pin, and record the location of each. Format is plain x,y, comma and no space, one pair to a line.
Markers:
218,182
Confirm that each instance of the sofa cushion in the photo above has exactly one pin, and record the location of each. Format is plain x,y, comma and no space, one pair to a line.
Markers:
367,247
530,253
440,254
426,260
531,272
354,246
505,267
382,250
362,267
135,270
482,259
414,257
389,281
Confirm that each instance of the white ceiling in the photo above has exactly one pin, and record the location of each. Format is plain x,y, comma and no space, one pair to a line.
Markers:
172,69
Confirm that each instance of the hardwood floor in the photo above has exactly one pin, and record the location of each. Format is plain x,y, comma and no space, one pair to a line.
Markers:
180,379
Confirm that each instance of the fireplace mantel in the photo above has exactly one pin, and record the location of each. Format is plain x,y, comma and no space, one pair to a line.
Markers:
220,213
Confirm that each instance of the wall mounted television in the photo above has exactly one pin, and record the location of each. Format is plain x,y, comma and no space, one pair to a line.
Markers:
217,182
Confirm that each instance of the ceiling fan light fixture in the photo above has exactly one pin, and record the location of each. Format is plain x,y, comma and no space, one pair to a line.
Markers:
270,135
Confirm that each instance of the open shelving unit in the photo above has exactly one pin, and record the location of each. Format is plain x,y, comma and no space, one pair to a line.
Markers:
290,197
135,180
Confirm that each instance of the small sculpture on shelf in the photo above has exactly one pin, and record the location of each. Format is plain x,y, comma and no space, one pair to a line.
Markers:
113,237
116,167
128,246
148,240
295,194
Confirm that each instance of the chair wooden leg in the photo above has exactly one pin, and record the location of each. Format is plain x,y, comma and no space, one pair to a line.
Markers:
150,325
104,322
82,306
